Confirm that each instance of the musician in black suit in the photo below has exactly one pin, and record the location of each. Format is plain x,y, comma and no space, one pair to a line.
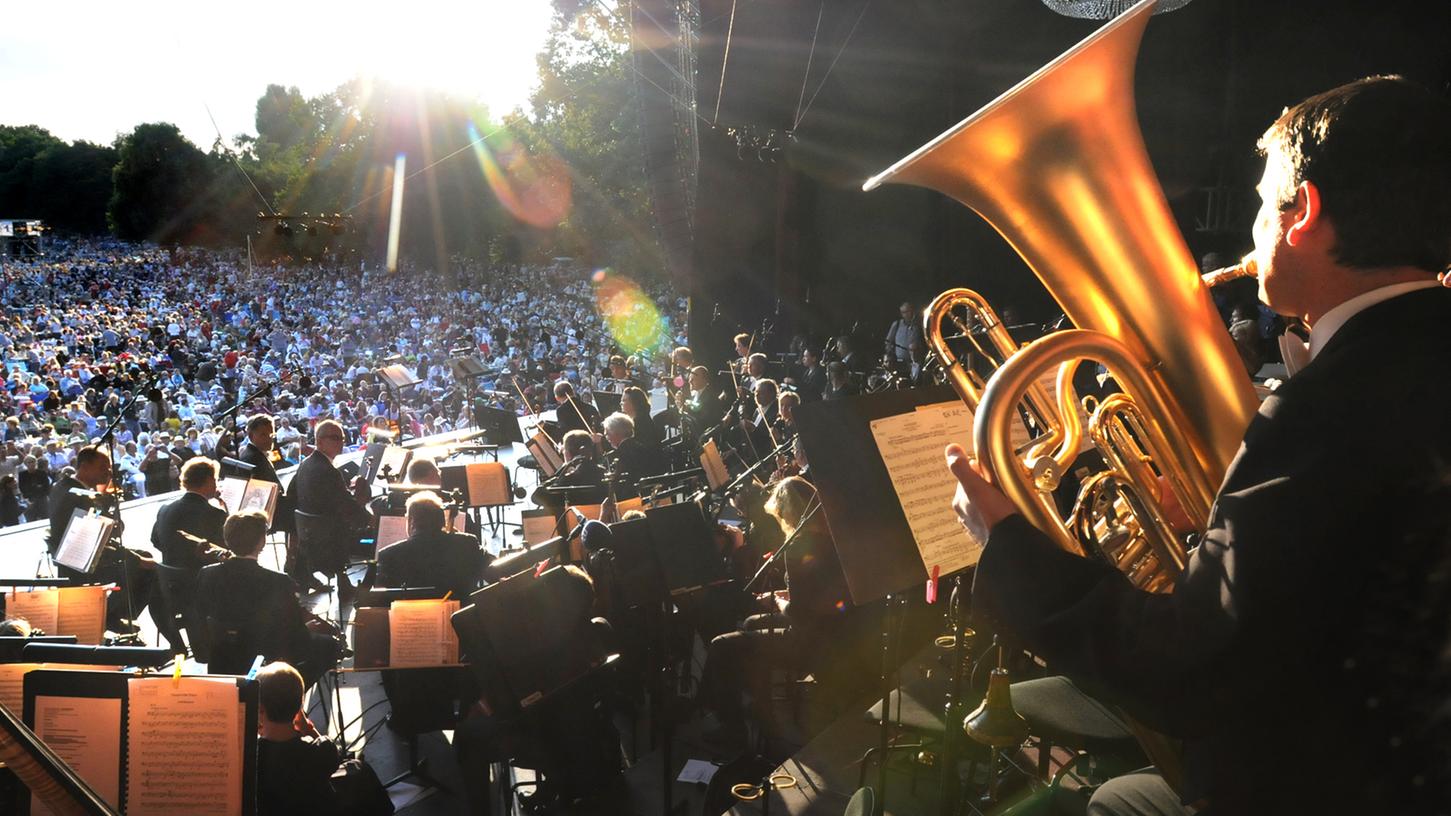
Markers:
760,429
258,605
260,452
319,489
633,459
1309,628
195,514
704,406
133,572
431,556
572,413
811,382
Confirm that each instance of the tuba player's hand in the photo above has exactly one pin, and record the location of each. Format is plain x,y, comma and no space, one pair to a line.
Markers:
978,503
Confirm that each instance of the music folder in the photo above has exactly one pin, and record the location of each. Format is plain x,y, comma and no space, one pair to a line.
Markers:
86,535
483,484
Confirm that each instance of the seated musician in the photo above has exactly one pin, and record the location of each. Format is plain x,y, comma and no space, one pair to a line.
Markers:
758,430
195,514
132,571
319,489
811,627
572,413
563,735
786,404
257,608
704,405
637,406
294,762
431,556
633,459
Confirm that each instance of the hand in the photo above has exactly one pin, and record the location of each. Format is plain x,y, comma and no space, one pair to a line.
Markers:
979,505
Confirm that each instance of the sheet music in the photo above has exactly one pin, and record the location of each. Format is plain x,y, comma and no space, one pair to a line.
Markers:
12,680
716,474
85,732
39,606
488,484
232,489
260,495
420,634
82,612
395,460
391,530
185,747
911,447
545,455
84,536
538,528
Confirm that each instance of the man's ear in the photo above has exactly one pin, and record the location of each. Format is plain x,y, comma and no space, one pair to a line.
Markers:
1306,213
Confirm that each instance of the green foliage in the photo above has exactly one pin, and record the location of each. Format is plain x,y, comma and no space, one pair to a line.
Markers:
159,184
67,185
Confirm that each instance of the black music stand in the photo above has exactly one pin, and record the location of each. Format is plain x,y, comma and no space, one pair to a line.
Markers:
500,427
11,648
684,544
396,378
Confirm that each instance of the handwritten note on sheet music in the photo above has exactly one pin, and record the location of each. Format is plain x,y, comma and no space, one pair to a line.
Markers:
86,733
185,747
420,634
911,447
41,607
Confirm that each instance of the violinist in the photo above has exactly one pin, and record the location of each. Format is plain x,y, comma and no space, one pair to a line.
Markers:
134,572
759,429
319,490
260,451
811,383
572,414
633,458
704,405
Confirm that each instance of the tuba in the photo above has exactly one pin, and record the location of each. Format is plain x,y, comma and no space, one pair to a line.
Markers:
1057,165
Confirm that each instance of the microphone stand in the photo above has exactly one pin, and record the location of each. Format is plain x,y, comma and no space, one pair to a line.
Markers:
111,507
740,480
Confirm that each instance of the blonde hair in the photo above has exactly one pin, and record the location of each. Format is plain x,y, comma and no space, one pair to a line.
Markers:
789,501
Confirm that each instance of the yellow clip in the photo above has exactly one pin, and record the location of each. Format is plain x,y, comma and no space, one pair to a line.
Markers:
448,594
176,675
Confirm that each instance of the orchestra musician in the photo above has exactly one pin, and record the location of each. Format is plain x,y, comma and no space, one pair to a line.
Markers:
572,413
194,513
637,406
1309,628
432,556
811,383
132,571
260,606
319,489
704,405
759,430
811,627
633,459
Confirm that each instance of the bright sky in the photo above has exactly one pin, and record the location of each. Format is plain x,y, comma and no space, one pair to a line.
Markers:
88,69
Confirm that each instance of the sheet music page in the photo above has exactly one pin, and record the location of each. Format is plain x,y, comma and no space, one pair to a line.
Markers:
395,459
391,530
488,484
12,685
538,529
39,606
185,747
549,459
232,489
419,633
85,732
260,495
84,535
911,447
82,612
716,474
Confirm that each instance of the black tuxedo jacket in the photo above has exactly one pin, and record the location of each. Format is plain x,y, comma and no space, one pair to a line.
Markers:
192,514
259,460
811,384
244,594
451,561
1306,631
318,488
587,418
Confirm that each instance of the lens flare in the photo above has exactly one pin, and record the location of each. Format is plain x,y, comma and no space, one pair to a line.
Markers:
632,318
534,188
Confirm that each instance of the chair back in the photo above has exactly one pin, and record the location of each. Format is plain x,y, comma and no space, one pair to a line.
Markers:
231,647
862,803
178,595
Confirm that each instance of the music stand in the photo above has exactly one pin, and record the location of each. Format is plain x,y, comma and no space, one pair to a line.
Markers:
86,536
608,402
466,368
11,647
396,378
684,544
638,576
500,427
531,662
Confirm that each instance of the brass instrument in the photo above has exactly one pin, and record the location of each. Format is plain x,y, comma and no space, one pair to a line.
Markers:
1057,165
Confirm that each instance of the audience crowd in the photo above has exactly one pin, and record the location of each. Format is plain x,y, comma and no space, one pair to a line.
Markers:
173,341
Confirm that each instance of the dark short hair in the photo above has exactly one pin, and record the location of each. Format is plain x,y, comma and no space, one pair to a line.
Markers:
578,442
279,692
197,471
244,532
89,455
257,421
1379,150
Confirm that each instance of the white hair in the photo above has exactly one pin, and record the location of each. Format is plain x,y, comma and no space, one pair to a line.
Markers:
619,424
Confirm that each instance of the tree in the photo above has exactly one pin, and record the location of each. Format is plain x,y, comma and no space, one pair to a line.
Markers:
159,185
